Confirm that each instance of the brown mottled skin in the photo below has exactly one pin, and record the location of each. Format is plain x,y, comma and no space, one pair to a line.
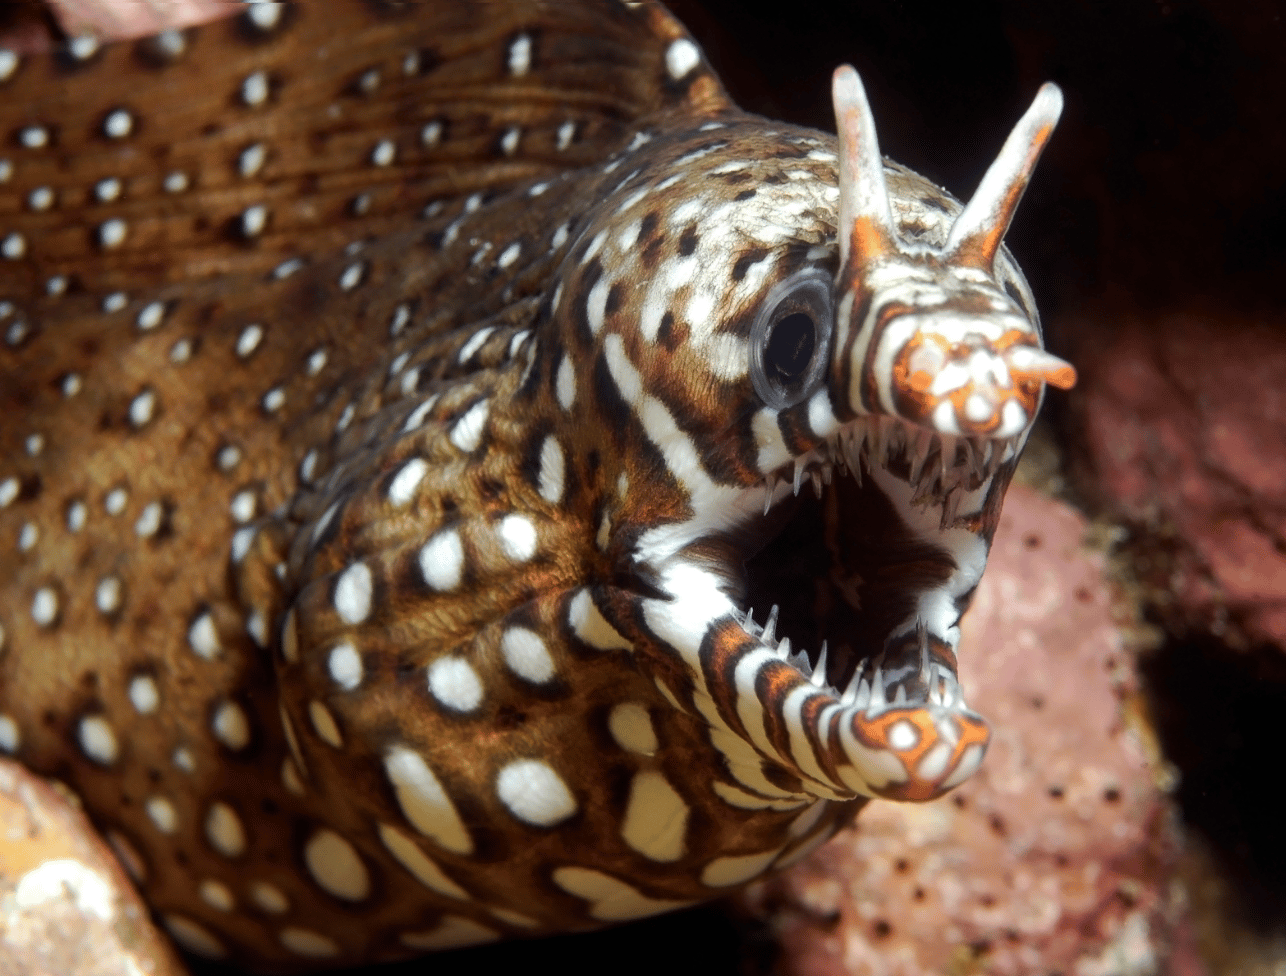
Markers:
380,453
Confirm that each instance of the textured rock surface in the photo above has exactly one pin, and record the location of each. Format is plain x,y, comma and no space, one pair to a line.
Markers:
1057,856
66,907
1182,427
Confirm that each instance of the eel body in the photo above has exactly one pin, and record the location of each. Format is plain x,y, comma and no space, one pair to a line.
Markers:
462,478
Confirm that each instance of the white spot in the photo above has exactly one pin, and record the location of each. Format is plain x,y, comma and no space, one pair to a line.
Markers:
534,793
181,351
16,333
242,539
476,342
316,362
681,57
203,638
224,831
6,168
509,141
118,124
242,506
401,315
452,932
274,399
150,316
8,63
345,666
723,872
566,382
517,534
560,236
107,595
288,267
455,684
141,408
352,276
566,132
268,897
34,137
114,302
257,627
44,606
353,593
590,626
10,738
252,159
307,943
335,865
265,15
41,198
520,55
97,740
216,895
253,220
162,813
230,726
526,654
424,802
144,695
431,135
467,432
77,514
324,724
13,246
34,444
308,466
111,233
509,255
149,520
656,818
28,536
442,560
228,457
175,182
402,488
631,727
72,384
193,937
56,285
254,89
184,760
9,489
611,900
384,153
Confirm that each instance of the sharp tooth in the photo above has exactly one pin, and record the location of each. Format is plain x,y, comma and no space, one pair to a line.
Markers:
817,482
783,649
770,486
828,475
770,628
853,692
749,625
819,673
799,475
922,632
919,454
862,697
935,689
900,697
878,700
950,506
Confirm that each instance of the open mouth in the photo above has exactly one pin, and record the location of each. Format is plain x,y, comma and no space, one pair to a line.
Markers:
867,554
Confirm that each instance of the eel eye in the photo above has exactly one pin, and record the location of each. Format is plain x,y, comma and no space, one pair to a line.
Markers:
790,339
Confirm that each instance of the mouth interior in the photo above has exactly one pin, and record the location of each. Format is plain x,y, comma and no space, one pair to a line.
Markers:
838,564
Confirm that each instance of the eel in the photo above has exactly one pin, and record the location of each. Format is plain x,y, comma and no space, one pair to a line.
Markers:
462,478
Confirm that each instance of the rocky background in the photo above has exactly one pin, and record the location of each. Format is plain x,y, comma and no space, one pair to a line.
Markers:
1129,642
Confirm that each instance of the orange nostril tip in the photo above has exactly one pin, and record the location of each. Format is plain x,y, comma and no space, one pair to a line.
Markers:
1064,377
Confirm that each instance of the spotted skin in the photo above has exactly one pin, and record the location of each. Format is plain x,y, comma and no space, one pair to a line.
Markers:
397,435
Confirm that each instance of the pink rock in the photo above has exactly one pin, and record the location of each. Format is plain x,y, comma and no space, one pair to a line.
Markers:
66,906
1056,856
1181,427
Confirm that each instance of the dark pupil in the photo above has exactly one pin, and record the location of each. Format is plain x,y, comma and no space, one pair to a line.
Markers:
790,348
